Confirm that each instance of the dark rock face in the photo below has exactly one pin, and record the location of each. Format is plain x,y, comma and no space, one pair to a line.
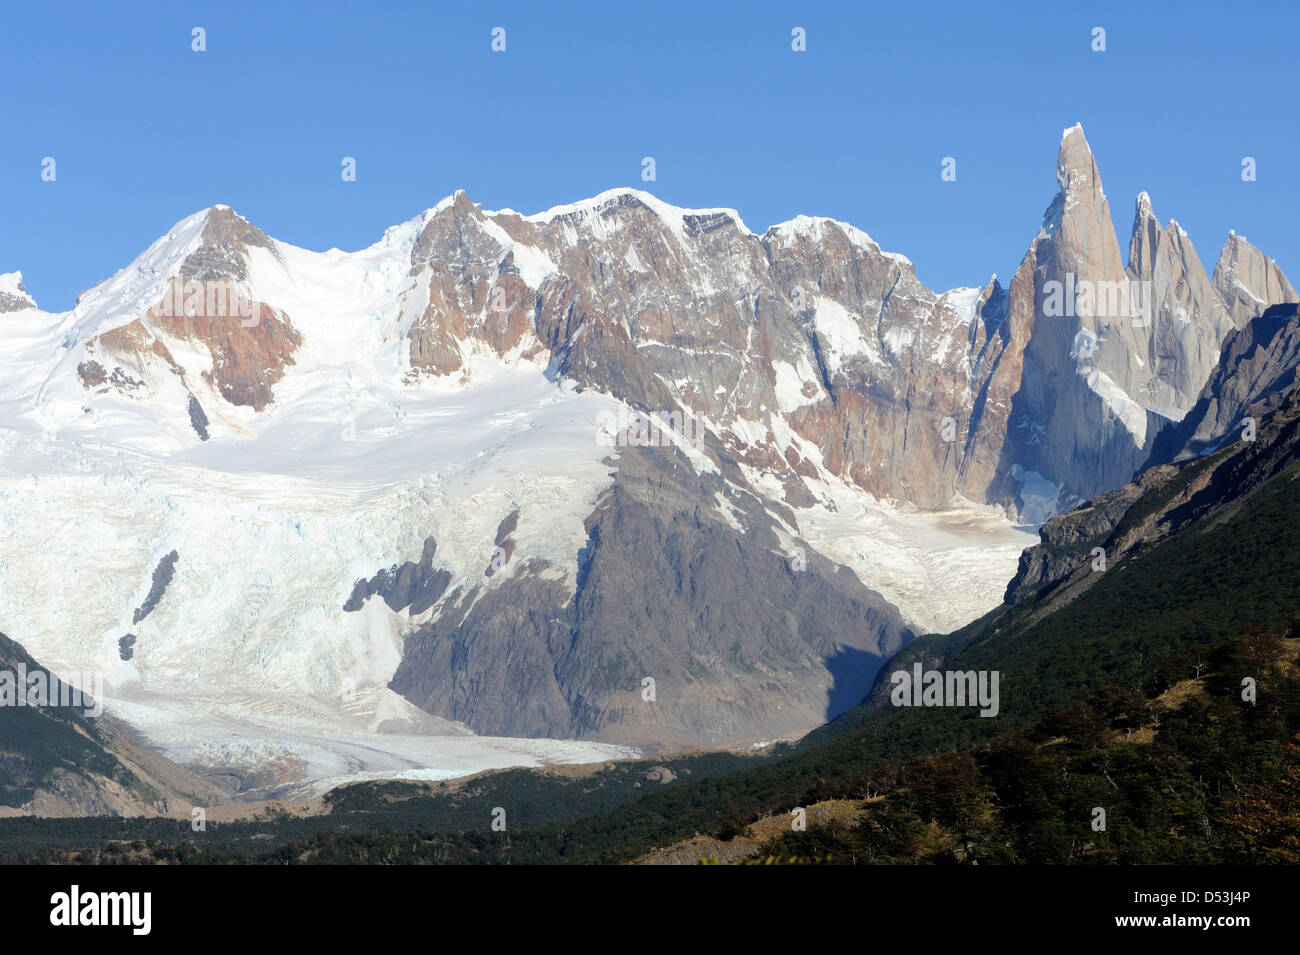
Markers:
36,742
737,640
507,527
504,545
488,659
198,419
93,377
131,345
63,761
1068,541
501,555
92,374
414,585
125,646
162,577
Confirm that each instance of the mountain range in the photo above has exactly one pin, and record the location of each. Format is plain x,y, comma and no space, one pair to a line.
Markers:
510,489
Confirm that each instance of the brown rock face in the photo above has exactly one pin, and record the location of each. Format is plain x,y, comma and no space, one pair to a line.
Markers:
474,293
132,350
207,306
890,399
251,343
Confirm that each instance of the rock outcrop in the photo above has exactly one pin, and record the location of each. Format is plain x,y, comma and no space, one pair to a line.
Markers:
13,296
737,638
1254,376
1249,281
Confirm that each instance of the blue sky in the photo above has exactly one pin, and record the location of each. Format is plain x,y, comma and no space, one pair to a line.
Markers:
145,131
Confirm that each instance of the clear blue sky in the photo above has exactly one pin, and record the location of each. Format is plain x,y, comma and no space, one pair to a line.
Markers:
145,131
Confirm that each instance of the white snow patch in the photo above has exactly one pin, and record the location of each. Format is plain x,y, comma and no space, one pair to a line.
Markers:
1039,497
534,265
964,305
1130,413
790,382
898,339
633,260
841,334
